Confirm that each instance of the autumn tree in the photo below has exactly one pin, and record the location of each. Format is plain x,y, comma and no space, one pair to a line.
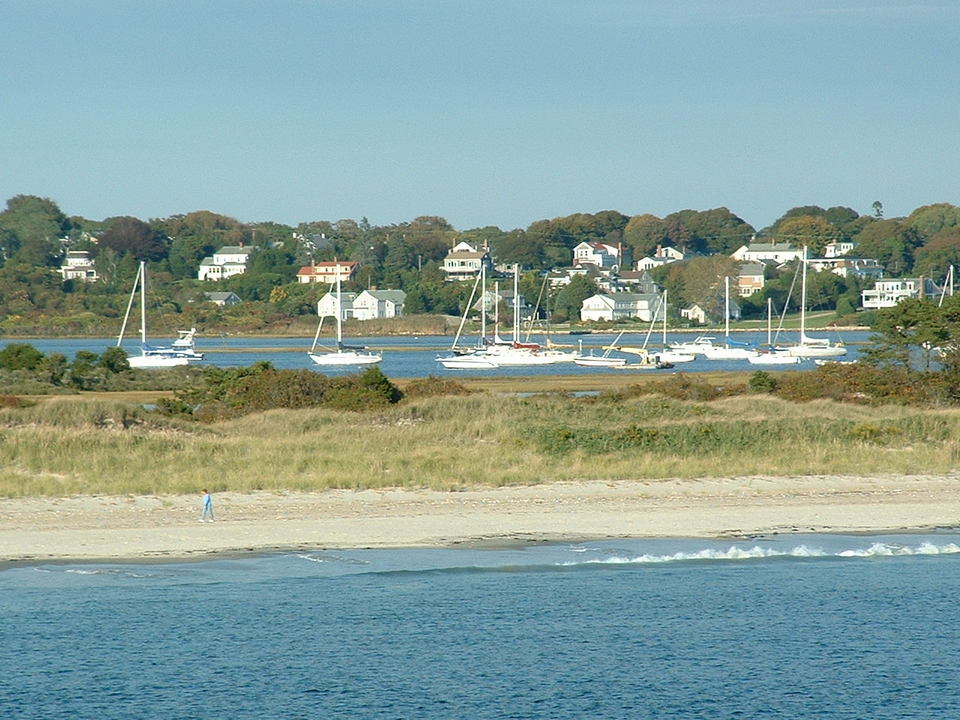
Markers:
128,235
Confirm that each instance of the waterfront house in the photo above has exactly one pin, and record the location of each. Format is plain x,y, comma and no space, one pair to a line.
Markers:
663,255
888,292
750,278
618,306
596,253
328,305
378,304
464,261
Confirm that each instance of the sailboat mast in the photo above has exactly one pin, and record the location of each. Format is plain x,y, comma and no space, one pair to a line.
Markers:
803,297
339,312
664,318
769,313
126,315
483,305
516,304
143,303
726,307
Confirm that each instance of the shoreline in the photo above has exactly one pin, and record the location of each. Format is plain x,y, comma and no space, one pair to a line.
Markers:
138,529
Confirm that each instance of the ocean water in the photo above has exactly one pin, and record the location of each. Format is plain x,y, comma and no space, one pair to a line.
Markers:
796,626
406,356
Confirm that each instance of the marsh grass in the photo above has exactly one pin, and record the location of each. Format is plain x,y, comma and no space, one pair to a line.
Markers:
64,446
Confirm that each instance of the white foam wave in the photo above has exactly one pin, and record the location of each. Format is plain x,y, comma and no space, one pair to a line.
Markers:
735,552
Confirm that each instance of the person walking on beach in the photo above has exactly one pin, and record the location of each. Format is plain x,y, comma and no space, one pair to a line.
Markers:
207,507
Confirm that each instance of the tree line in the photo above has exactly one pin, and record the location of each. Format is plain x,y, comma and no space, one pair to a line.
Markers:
35,233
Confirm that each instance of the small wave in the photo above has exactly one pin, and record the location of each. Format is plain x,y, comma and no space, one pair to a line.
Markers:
801,551
120,572
328,558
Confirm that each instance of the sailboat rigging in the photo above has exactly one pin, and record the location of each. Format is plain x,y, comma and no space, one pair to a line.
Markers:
154,357
343,355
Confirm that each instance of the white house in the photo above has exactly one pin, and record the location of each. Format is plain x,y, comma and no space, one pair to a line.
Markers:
603,279
662,256
867,268
327,272
702,314
619,305
77,265
887,293
777,252
463,262
837,249
327,305
596,253
378,304
228,261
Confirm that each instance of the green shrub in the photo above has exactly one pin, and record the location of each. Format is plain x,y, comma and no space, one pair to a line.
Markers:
761,382
20,356
433,386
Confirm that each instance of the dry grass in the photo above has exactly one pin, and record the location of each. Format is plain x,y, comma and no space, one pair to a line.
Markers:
68,446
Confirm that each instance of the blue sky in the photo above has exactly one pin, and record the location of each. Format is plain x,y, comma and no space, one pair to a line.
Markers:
485,112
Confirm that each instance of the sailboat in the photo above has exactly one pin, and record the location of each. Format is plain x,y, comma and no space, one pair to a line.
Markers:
516,353
466,358
343,355
669,354
812,347
153,357
772,356
605,360
730,350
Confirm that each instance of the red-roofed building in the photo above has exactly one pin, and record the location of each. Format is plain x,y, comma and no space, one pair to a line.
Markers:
327,272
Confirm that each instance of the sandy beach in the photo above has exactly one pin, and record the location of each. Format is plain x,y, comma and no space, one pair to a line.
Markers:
168,527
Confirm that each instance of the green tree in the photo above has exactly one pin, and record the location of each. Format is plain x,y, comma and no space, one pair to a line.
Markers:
891,242
128,235
939,253
34,225
20,356
570,299
931,219
644,234
114,360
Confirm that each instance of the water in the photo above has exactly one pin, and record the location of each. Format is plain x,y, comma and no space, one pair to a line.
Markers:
824,627
405,357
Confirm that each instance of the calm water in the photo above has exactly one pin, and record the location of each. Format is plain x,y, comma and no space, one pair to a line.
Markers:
416,356
792,627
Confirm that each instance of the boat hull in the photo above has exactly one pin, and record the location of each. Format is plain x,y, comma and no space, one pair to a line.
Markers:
344,359
154,362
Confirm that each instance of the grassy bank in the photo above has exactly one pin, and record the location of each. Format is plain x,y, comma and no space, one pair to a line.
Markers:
62,446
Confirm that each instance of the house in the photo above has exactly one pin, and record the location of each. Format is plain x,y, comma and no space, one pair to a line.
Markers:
864,268
704,313
750,278
228,261
78,265
889,292
378,304
604,280
837,249
662,256
223,299
327,272
463,262
617,306
505,300
638,281
327,306
596,253
779,253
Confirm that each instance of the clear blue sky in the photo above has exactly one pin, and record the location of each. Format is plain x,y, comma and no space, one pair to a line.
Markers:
485,112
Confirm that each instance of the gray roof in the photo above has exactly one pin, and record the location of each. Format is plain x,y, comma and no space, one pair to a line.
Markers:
394,296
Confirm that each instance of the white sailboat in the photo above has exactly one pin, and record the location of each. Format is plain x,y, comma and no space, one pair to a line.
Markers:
669,354
773,356
809,347
470,358
152,357
516,353
343,355
605,360
729,350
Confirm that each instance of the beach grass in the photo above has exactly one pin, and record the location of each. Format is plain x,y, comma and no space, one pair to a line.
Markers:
67,446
